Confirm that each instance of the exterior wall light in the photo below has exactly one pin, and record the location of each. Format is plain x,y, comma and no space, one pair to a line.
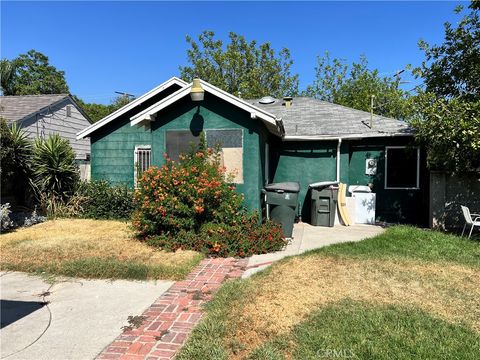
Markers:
197,93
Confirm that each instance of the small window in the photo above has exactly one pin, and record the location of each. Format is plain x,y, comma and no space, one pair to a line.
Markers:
69,110
402,167
143,160
180,142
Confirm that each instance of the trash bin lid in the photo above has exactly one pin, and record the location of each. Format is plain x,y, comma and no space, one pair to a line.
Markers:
284,186
322,184
359,188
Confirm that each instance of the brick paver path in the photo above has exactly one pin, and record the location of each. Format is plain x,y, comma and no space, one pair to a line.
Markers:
170,319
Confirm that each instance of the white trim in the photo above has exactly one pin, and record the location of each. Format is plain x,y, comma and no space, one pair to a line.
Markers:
418,168
254,111
339,145
135,154
267,162
107,119
344,137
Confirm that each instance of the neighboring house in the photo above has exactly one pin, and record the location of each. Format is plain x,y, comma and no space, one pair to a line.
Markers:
264,141
42,115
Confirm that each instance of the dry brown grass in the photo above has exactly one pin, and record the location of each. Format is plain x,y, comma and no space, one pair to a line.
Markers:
285,296
62,240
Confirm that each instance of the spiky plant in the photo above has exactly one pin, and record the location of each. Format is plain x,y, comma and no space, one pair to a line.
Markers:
55,173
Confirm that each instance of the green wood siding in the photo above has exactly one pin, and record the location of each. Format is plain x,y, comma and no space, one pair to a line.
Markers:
312,161
113,146
305,162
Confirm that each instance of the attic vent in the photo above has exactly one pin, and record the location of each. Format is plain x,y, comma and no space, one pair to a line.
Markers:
266,100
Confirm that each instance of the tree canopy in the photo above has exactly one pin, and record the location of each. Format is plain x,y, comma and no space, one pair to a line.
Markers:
241,67
447,115
32,74
452,69
354,85
97,111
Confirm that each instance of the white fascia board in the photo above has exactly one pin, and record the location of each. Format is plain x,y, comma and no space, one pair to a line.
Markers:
343,137
254,111
107,119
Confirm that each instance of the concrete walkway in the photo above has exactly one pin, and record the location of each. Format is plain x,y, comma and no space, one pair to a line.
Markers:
72,319
307,237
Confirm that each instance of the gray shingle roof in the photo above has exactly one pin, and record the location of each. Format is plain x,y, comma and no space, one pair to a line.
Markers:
14,108
316,118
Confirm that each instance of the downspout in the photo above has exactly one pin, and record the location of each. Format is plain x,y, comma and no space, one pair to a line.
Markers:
338,158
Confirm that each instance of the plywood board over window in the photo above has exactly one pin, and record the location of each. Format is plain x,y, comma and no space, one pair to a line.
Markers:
230,143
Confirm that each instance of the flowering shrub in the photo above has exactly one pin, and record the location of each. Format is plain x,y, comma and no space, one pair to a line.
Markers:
243,239
185,195
190,205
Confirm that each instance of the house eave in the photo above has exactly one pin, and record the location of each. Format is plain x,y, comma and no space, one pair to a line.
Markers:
335,137
271,121
87,131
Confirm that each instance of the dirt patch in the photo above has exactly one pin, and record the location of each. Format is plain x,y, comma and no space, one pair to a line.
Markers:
285,296
75,239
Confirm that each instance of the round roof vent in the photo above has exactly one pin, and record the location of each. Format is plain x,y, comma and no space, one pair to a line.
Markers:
267,100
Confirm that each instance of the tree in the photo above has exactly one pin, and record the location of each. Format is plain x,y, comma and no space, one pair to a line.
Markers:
31,74
450,131
447,115
354,85
241,68
7,76
98,111
452,69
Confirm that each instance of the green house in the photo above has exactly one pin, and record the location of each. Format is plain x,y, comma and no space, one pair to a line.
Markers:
266,140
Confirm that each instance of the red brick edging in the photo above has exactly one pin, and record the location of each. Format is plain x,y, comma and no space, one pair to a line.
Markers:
171,318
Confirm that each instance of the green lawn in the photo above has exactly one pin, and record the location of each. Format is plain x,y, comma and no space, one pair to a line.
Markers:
405,294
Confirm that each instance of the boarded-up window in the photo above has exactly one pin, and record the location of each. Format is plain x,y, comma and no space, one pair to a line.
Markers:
143,160
402,166
230,143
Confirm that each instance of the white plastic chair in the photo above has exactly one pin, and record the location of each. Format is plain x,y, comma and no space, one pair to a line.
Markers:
470,219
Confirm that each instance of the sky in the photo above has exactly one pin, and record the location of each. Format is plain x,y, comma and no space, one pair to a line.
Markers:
132,47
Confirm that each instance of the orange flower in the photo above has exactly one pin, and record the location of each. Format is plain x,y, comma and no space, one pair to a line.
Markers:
199,209
216,247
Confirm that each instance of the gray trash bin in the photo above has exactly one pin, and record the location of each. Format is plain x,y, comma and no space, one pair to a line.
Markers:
323,203
282,200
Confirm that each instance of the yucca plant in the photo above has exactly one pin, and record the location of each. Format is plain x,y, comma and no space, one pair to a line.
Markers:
15,158
55,173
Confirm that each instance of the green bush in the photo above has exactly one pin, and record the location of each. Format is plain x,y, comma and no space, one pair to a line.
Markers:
186,194
243,239
190,204
16,167
100,200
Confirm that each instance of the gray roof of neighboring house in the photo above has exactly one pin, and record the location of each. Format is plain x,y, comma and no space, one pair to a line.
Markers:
14,108
316,118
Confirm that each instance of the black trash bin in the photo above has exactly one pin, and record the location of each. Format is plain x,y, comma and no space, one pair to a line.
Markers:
324,203
282,200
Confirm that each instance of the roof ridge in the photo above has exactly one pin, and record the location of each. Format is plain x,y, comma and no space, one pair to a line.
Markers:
33,95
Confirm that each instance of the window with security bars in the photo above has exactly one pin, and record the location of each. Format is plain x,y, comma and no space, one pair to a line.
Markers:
143,160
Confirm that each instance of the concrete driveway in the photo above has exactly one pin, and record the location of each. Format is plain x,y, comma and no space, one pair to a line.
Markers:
70,319
307,237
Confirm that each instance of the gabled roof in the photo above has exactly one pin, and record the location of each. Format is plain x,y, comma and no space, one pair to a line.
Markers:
18,107
310,118
131,105
272,122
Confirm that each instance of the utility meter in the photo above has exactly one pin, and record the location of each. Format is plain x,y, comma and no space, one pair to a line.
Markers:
371,166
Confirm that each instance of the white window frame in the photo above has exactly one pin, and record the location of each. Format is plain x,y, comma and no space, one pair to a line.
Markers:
417,187
139,148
